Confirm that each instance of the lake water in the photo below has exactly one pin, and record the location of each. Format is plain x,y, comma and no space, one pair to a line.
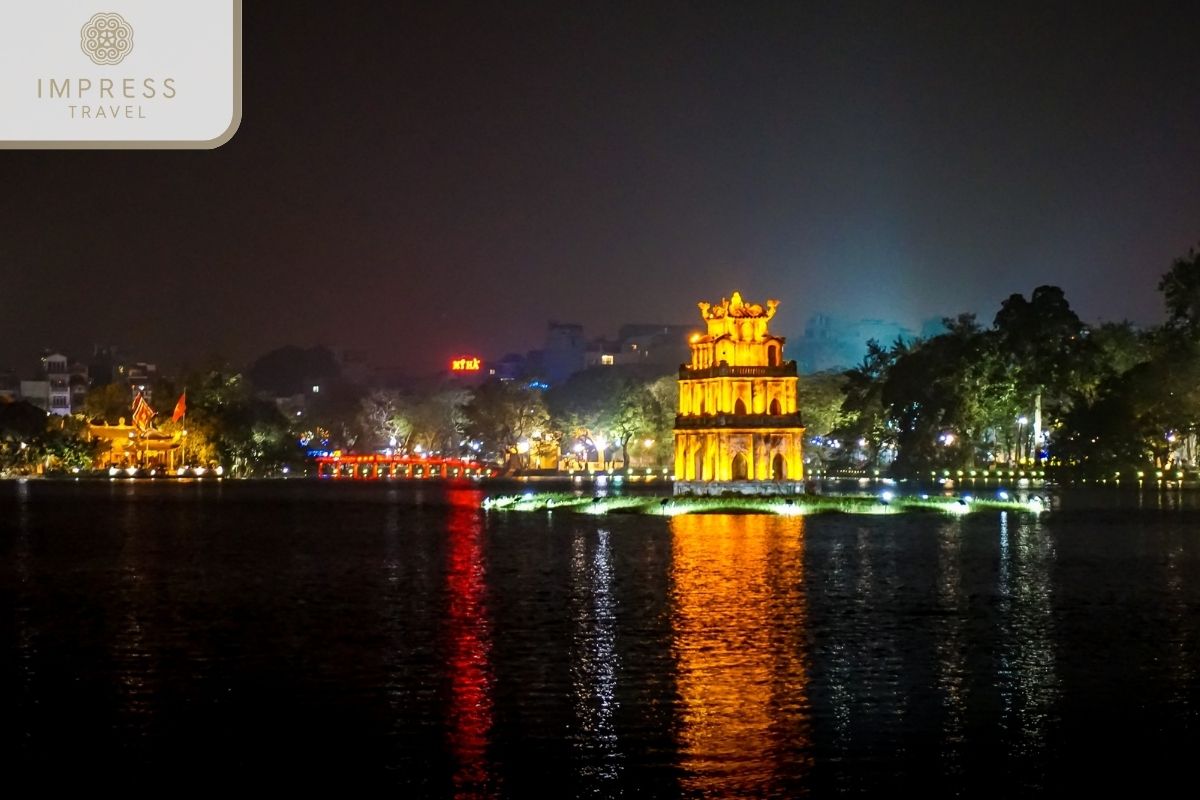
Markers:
303,635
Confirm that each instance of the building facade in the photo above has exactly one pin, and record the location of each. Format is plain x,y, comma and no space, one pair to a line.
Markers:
36,393
565,352
80,383
837,343
10,387
738,428
58,375
653,344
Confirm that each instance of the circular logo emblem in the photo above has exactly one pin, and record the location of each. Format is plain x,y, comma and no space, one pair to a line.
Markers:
107,38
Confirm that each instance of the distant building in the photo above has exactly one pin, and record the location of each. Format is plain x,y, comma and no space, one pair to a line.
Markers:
36,393
79,382
107,366
935,326
58,376
139,376
565,352
102,366
353,364
469,370
601,353
837,343
655,344
60,387
512,367
10,387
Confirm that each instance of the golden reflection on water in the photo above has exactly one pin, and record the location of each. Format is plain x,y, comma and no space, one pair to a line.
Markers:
739,625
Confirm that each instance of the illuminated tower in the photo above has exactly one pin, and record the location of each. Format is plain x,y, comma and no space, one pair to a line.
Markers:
738,428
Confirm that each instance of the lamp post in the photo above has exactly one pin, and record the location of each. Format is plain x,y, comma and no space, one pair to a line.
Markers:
1021,422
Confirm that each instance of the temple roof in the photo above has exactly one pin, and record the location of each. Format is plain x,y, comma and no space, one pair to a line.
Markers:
128,432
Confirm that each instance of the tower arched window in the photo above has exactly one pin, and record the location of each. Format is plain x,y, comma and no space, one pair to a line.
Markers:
739,468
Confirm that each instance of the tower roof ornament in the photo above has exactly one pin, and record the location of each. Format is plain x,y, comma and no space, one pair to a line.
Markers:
736,307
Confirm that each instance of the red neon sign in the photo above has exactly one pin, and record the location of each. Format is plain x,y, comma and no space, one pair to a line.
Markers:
466,364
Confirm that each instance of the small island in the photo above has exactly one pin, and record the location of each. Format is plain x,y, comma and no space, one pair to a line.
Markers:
886,502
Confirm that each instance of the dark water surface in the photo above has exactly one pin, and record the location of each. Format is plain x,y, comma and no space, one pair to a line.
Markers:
168,637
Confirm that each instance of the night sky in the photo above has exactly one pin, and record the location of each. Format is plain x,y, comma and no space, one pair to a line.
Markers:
422,179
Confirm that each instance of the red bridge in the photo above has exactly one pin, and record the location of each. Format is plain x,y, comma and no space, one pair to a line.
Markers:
369,466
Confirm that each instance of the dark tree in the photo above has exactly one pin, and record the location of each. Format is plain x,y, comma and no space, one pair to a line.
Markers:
293,370
1180,287
21,421
1047,346
109,403
606,403
863,413
501,414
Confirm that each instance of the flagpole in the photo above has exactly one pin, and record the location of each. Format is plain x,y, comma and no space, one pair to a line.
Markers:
183,423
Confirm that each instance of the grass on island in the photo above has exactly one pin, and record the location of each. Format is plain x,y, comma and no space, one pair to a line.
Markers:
801,505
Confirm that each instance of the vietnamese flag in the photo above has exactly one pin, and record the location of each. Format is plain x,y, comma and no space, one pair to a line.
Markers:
180,408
